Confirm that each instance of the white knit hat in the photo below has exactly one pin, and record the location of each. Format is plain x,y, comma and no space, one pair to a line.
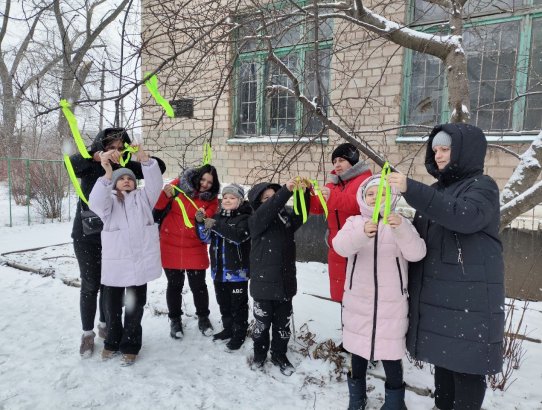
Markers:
443,139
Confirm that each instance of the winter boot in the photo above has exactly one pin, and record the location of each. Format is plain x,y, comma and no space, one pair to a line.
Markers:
236,342
357,390
258,362
108,354
280,360
87,344
227,332
204,325
395,399
176,328
102,330
128,359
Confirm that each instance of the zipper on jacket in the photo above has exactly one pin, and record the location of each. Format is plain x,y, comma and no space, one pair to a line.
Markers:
400,275
337,217
353,267
375,297
459,253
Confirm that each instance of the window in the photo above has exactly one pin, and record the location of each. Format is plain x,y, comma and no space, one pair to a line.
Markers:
279,114
504,62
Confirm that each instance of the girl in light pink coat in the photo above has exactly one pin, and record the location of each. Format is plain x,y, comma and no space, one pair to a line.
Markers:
375,305
130,250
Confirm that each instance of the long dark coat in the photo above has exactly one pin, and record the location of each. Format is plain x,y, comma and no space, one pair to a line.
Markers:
457,291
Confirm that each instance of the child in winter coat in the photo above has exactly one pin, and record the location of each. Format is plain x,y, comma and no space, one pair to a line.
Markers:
130,249
227,234
375,303
273,272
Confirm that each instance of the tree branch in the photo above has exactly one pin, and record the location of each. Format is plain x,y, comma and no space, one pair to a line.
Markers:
520,204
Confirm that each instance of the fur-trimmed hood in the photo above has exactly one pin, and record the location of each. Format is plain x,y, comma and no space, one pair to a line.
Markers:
357,169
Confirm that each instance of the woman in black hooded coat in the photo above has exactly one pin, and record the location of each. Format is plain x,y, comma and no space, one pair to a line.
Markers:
88,248
457,291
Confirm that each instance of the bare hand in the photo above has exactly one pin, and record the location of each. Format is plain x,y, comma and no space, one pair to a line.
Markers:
326,192
395,220
290,185
168,190
397,180
106,164
114,156
370,229
200,215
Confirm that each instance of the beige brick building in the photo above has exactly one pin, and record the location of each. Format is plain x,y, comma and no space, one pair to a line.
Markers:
372,87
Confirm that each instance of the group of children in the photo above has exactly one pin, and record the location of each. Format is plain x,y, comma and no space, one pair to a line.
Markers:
254,242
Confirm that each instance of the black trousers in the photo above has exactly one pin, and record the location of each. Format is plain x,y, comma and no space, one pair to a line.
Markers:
269,313
392,368
232,298
458,391
89,257
128,337
174,292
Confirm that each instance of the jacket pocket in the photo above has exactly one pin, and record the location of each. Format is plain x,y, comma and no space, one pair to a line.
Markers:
400,276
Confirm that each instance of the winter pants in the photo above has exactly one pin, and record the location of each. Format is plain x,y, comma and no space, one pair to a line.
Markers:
174,292
267,313
392,368
89,257
232,298
125,338
458,391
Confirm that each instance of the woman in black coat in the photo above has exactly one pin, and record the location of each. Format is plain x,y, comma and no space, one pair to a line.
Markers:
457,291
88,248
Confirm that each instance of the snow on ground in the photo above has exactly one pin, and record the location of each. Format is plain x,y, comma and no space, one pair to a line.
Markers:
40,365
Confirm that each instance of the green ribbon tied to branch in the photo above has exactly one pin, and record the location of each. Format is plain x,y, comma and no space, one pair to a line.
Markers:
318,193
72,122
73,178
186,220
207,154
387,201
299,200
129,150
151,81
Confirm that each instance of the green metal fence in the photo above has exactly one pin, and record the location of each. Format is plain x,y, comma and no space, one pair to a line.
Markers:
34,191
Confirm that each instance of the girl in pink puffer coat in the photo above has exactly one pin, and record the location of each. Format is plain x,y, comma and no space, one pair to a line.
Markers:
375,302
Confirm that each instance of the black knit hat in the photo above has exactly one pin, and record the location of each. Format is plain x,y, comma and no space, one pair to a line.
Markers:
347,151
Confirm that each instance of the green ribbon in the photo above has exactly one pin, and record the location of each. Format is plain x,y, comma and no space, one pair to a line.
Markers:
207,154
127,149
383,184
186,220
299,197
73,178
72,121
152,85
318,192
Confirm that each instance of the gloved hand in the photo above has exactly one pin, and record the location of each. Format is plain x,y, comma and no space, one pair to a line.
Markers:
209,223
200,215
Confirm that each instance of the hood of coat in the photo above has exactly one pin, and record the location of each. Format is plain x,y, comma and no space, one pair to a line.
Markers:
185,183
366,210
103,137
357,169
257,190
468,152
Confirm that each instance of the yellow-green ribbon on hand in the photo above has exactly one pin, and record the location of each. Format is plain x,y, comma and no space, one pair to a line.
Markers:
127,149
383,184
299,196
73,178
186,220
186,196
72,122
152,85
318,193
207,154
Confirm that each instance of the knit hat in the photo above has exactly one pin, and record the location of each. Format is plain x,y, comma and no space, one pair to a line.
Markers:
235,190
371,183
443,139
121,172
347,151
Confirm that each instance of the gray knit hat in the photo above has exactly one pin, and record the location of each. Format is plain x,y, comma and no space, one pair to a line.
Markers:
234,189
443,139
121,172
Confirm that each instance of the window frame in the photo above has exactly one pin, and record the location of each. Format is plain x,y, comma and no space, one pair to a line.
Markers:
525,15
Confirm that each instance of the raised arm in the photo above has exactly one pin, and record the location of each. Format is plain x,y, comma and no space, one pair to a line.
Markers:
260,220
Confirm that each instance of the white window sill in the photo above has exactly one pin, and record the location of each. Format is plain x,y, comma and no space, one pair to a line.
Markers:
275,139
490,138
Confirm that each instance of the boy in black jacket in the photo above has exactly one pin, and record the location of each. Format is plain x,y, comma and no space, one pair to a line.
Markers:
272,260
229,250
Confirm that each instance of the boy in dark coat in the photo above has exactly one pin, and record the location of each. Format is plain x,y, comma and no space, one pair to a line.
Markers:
227,234
272,260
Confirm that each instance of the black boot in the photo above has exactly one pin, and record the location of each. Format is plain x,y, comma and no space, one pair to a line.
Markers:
204,325
238,338
395,399
176,328
227,332
280,360
258,362
357,390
